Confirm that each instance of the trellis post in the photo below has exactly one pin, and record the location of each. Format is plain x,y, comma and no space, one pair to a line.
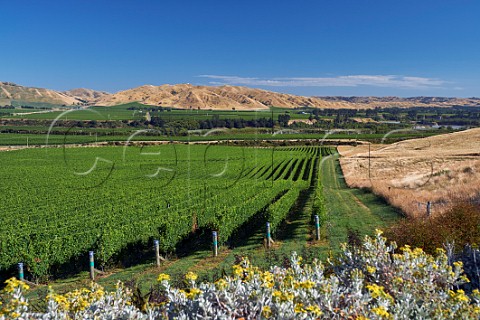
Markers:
156,245
92,265
21,276
317,228
215,243
269,237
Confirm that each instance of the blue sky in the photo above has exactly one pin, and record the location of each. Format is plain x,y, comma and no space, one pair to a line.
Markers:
361,47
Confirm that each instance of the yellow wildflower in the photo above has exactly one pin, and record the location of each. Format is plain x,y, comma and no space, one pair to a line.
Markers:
267,276
299,308
190,276
237,270
459,296
381,312
193,293
397,280
314,309
266,312
277,294
417,252
299,260
14,283
307,284
288,296
371,269
377,291
221,284
163,277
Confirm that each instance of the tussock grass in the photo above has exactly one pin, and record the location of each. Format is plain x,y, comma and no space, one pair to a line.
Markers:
444,170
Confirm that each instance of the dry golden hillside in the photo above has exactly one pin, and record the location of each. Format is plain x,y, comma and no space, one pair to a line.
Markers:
383,102
12,92
187,96
87,95
439,169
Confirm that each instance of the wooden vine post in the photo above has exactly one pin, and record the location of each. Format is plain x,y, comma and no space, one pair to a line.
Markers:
269,237
156,245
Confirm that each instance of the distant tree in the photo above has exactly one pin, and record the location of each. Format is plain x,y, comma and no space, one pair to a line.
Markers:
283,119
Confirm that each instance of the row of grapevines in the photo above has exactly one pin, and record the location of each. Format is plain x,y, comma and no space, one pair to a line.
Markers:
279,210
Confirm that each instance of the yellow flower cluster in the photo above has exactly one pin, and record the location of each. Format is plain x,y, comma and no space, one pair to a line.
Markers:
267,279
378,292
266,312
382,312
14,283
163,277
9,309
283,295
307,284
246,273
77,300
221,284
237,271
459,296
191,276
371,269
313,309
193,293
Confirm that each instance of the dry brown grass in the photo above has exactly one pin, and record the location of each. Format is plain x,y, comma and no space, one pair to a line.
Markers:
442,169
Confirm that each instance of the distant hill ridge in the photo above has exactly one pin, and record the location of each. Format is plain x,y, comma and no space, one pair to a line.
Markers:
187,96
11,92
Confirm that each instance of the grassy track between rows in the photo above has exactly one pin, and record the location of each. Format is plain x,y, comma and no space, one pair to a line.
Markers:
350,212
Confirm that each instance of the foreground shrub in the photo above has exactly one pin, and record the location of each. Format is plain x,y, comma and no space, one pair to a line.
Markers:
460,225
368,282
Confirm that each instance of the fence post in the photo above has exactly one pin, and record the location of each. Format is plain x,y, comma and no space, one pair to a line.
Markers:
156,244
429,208
20,271
269,238
215,243
317,227
92,265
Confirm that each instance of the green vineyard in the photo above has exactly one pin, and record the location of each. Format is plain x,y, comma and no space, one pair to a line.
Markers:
59,203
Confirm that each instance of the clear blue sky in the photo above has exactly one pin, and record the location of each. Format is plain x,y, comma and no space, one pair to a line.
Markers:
334,47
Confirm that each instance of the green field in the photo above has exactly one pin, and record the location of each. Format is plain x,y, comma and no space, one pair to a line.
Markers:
123,136
122,112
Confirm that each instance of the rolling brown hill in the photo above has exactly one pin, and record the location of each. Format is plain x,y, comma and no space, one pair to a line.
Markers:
187,96
11,92
88,96
407,102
